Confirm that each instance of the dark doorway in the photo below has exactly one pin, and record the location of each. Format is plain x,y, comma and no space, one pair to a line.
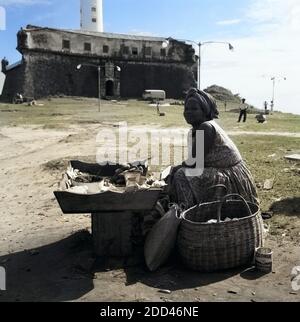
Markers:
109,88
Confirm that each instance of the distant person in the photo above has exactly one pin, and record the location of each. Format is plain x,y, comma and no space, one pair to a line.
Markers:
225,105
157,107
158,110
243,111
272,106
261,118
266,107
4,64
18,99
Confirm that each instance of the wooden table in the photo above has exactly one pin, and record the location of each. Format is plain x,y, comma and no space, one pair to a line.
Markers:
114,215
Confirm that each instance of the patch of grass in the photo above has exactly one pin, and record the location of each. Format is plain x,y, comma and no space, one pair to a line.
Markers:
265,157
65,112
263,154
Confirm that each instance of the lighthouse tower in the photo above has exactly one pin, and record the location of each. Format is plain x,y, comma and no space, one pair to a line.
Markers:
91,15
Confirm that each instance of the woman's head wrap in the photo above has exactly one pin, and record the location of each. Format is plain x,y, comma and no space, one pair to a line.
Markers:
206,102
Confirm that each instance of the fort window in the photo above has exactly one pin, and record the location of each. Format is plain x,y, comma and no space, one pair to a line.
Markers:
94,20
105,49
148,51
87,46
135,51
66,44
125,50
163,52
94,9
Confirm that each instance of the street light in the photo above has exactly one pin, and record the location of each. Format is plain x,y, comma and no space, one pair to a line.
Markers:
200,44
273,79
165,43
78,67
230,47
99,81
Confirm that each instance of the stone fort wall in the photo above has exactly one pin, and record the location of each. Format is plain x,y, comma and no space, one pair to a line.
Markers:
50,57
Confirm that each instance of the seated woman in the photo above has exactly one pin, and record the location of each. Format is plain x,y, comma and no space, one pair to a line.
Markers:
223,164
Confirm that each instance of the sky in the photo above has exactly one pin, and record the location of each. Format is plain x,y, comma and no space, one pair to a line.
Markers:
265,35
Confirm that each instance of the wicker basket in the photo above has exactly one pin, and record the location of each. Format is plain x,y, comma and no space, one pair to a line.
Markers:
210,247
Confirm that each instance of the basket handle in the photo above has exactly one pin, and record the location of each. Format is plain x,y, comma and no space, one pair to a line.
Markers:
232,195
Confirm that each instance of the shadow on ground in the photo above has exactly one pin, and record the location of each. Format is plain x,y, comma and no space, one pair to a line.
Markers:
55,272
174,276
289,206
64,271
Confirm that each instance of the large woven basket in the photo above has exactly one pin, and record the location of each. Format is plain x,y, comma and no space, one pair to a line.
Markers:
222,245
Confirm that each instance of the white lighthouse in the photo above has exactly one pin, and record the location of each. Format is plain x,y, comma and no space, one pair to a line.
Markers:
91,12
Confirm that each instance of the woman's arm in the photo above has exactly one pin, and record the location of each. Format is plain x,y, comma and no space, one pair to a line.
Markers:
209,136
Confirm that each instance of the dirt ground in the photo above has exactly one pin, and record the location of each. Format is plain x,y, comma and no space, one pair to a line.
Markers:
48,256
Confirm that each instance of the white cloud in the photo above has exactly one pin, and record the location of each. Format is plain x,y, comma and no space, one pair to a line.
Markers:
7,3
229,22
277,12
266,10
273,49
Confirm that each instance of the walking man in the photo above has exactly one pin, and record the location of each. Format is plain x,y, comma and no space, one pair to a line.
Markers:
243,111
266,107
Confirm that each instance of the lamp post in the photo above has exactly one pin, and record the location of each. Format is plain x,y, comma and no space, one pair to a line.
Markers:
99,81
230,47
118,68
200,44
273,79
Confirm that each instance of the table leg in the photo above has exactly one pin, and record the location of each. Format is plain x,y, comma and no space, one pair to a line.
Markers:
112,233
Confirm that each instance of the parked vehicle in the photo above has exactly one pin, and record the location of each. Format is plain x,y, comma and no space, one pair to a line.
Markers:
154,95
